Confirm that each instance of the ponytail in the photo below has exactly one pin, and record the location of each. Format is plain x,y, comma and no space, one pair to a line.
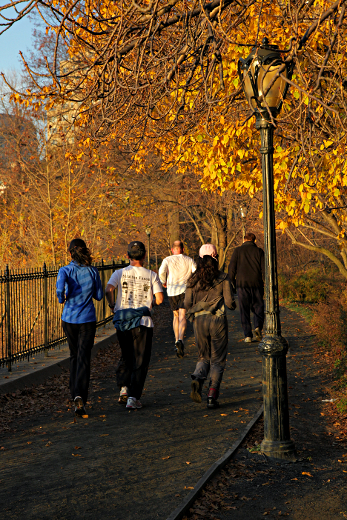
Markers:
80,252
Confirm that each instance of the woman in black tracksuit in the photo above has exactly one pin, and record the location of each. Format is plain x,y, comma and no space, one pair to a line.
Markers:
208,292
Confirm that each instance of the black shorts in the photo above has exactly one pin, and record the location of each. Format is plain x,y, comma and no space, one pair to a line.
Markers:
177,302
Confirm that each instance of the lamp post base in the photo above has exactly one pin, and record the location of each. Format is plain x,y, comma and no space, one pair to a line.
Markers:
284,450
276,443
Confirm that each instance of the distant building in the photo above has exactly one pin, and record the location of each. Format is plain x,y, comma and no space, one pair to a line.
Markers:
60,118
18,141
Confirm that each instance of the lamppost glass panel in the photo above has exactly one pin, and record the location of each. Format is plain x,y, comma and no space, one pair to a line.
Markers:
274,94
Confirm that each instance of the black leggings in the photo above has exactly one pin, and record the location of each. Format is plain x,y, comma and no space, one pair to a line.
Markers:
80,337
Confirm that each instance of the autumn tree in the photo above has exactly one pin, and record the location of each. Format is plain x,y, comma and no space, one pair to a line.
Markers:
162,75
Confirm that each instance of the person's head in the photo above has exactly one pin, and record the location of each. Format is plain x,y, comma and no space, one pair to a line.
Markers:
208,249
207,267
136,250
249,237
177,247
79,252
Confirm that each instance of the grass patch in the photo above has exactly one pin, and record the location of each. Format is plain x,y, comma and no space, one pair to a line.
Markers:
300,308
341,405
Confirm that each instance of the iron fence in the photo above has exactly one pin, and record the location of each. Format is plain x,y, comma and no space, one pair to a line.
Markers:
31,313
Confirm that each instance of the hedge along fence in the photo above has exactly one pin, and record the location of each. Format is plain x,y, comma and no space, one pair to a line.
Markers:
31,313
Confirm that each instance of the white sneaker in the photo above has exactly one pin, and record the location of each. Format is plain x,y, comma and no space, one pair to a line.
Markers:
123,395
133,404
248,340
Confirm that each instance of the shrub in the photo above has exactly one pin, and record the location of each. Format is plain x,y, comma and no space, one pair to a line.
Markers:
329,321
309,286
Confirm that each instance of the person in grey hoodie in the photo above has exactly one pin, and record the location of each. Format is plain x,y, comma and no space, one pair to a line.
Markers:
208,292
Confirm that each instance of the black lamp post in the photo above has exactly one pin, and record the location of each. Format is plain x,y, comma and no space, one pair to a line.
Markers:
148,233
265,91
243,212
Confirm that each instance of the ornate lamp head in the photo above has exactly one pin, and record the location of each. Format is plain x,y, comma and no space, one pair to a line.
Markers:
263,88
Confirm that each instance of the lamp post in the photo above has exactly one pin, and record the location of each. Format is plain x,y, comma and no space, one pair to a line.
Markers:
265,91
243,211
148,233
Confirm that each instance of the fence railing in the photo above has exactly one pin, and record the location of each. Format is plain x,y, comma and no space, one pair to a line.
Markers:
30,312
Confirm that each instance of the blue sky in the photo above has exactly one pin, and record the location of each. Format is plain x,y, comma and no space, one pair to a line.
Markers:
17,38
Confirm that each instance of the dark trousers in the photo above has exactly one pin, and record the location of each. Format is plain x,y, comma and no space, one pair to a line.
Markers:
80,338
251,299
211,337
136,347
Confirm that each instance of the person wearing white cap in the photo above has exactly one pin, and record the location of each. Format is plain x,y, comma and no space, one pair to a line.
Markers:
174,273
208,292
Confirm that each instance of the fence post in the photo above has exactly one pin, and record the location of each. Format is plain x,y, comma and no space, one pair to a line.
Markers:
103,288
45,307
8,319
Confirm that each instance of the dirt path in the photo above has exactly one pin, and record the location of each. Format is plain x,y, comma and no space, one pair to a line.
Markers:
120,464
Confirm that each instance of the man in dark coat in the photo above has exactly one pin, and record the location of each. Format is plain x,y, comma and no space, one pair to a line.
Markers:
246,272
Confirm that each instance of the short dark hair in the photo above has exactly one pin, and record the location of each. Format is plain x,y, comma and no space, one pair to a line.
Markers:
250,236
136,250
177,244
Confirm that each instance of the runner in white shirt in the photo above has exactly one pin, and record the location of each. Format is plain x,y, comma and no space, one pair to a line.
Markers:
136,287
174,273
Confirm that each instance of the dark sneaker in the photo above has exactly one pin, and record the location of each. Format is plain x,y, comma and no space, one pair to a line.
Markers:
212,398
179,348
79,406
196,387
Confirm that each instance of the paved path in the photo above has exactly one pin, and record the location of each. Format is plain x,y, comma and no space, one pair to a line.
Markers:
120,464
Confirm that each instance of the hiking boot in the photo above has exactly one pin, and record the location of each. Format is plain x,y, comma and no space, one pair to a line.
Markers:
179,348
258,334
133,403
212,398
79,406
123,395
248,340
196,386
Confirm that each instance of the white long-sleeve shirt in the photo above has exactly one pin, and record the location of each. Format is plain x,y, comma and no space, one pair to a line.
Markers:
175,271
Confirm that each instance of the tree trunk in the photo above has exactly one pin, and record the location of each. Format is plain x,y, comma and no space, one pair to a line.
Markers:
321,250
174,225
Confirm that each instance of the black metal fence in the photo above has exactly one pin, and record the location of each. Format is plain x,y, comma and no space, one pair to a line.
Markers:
31,314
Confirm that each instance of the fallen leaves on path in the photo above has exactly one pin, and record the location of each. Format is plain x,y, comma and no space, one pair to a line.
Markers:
53,395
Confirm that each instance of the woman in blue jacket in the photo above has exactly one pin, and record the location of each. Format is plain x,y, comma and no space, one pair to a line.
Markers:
77,284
